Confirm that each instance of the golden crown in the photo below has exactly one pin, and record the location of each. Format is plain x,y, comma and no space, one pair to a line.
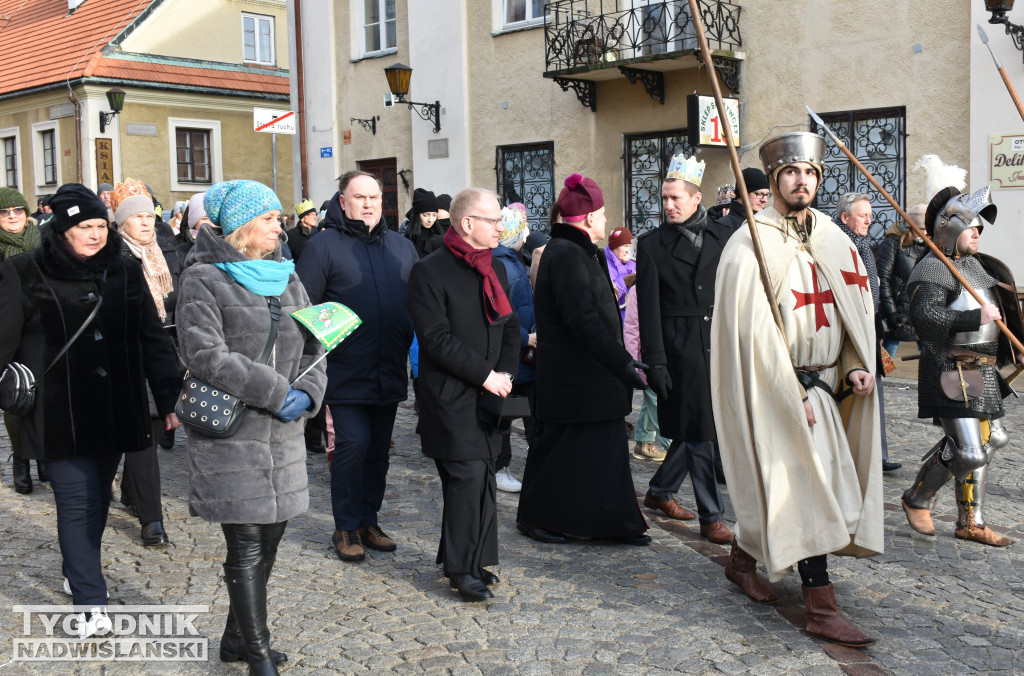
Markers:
684,168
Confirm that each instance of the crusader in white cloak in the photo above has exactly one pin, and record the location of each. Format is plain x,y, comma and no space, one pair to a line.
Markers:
806,478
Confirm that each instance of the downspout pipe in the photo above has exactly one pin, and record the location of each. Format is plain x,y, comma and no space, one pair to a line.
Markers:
78,133
303,186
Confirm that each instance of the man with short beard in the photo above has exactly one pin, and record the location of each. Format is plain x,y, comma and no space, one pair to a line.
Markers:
809,476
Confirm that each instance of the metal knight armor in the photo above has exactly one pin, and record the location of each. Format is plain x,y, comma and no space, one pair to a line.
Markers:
986,333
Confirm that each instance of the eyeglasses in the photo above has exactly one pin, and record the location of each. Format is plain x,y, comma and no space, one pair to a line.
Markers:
761,194
492,221
13,211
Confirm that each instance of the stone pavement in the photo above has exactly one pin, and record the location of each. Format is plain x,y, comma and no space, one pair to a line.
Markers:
937,606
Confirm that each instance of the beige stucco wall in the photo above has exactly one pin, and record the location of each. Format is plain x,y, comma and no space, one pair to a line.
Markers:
245,154
21,114
174,27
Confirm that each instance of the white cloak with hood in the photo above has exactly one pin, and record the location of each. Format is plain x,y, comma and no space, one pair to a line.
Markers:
798,491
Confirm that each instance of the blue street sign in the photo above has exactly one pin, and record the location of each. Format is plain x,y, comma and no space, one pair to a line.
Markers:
327,151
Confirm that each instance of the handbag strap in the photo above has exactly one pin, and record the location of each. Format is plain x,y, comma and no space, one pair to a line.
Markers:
274,303
78,333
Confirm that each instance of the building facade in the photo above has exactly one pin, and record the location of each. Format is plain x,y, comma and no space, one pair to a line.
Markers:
192,72
532,91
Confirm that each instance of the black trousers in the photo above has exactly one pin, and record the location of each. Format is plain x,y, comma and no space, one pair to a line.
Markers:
81,491
250,544
469,522
359,467
696,458
528,390
140,480
316,429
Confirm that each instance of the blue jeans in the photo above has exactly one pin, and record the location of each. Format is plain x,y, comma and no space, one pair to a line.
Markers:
359,467
647,429
81,490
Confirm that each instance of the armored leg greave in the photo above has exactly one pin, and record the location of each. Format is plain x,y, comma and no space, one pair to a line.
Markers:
966,453
932,476
970,493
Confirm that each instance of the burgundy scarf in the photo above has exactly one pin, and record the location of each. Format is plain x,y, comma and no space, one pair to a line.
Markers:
495,301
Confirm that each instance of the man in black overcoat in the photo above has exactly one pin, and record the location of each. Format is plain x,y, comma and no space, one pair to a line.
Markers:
676,267
469,347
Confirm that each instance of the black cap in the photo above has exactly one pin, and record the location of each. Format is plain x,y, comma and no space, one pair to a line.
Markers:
74,203
755,179
444,201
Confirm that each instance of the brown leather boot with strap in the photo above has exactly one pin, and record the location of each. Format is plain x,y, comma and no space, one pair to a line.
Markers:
742,569
825,621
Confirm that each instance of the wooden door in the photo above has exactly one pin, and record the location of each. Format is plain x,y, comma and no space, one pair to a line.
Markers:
386,172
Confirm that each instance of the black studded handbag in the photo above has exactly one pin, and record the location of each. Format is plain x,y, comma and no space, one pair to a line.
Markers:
210,410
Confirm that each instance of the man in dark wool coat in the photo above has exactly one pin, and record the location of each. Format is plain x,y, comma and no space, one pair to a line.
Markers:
676,267
577,481
469,347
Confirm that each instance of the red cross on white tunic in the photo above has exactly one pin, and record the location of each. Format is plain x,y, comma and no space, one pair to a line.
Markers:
856,279
817,299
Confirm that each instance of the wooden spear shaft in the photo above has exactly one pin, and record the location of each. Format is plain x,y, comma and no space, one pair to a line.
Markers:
913,226
1002,72
734,158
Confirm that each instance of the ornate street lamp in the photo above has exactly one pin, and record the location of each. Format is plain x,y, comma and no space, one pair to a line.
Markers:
115,99
999,8
399,75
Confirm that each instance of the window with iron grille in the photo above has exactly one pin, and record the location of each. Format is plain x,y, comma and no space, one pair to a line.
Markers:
647,157
380,25
526,174
877,138
258,39
193,147
10,162
49,139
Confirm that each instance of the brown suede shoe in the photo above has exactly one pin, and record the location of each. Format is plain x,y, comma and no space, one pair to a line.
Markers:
920,519
742,569
984,535
716,532
669,507
347,545
374,538
825,621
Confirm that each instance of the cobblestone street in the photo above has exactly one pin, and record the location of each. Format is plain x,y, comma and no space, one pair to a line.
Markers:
936,606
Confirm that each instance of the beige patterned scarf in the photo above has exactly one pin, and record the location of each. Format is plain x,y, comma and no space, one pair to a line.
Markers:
158,276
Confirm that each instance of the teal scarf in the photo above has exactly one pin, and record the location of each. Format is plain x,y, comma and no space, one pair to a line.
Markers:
262,277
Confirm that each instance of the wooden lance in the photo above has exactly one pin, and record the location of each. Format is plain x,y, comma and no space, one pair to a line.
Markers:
734,158
1002,72
913,226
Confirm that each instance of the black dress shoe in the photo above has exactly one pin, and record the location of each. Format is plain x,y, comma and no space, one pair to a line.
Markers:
488,578
153,534
316,448
470,587
541,535
22,476
890,466
637,540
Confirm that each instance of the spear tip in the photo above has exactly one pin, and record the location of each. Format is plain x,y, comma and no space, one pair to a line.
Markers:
981,32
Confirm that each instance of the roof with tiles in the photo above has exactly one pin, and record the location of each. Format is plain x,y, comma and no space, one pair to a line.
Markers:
41,44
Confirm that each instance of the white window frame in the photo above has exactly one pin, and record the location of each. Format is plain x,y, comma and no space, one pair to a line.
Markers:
38,162
216,155
365,51
500,9
15,133
257,18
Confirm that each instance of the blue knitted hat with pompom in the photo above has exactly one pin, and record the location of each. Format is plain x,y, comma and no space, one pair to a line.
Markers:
232,204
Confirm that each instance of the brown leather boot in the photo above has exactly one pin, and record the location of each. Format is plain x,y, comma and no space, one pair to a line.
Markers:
347,545
742,569
670,508
920,519
825,621
984,535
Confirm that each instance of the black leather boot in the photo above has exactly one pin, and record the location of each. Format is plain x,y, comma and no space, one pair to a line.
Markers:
22,475
231,647
41,472
247,589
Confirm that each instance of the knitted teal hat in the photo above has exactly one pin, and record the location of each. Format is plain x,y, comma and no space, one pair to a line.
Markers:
232,204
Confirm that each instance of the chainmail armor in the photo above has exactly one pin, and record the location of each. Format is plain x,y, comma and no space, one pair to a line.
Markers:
932,289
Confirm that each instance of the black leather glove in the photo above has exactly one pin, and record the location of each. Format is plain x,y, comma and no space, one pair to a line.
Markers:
631,378
659,380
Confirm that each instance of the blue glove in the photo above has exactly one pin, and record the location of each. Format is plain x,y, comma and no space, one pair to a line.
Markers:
295,403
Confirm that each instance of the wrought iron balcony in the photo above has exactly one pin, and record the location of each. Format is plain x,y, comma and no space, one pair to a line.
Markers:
590,40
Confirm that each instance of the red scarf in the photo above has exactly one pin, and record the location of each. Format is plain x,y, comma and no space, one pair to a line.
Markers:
495,301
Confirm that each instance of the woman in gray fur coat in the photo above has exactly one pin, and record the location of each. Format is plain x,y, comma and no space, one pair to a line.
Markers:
253,482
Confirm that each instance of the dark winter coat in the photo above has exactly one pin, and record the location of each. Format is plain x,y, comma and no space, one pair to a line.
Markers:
367,271
676,288
895,263
582,364
259,474
298,239
93,401
520,296
458,350
732,221
175,259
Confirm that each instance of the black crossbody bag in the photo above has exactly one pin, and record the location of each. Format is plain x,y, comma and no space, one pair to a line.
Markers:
211,411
